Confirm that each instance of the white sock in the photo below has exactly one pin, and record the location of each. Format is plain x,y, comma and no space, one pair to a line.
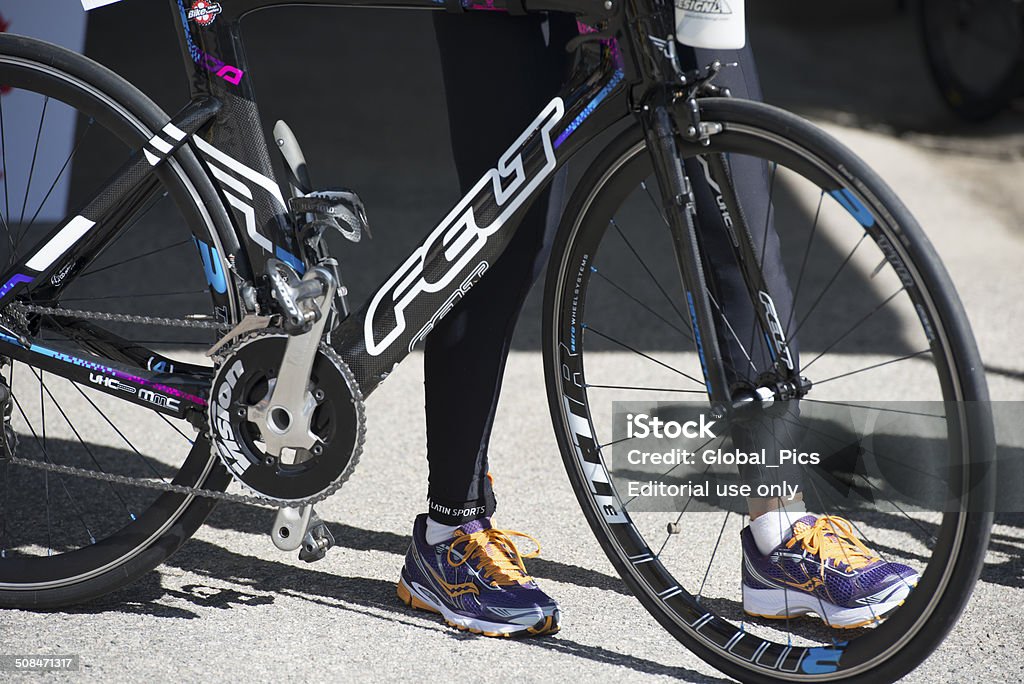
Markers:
774,527
437,533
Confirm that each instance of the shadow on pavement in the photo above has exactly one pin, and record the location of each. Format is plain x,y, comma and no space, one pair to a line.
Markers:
257,581
245,519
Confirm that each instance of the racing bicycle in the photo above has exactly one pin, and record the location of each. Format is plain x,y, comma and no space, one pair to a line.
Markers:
176,332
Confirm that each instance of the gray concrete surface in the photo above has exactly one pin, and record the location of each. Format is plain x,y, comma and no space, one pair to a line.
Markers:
228,605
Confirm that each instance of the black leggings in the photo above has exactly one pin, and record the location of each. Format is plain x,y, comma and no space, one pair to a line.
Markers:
499,71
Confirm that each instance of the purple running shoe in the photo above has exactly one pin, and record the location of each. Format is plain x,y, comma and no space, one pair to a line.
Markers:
477,581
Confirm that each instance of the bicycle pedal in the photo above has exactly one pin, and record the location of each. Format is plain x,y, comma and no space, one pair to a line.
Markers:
339,210
317,541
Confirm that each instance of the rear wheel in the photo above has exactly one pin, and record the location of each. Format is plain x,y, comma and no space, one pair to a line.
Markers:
975,51
875,319
67,124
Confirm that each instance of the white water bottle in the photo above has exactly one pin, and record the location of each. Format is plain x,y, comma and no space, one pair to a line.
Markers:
711,24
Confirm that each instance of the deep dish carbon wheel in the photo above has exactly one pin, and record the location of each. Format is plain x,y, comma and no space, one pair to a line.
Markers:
65,539
875,318
975,52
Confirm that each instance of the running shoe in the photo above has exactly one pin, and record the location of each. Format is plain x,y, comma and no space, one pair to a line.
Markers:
477,582
825,570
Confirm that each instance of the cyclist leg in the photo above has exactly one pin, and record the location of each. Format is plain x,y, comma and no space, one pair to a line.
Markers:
499,72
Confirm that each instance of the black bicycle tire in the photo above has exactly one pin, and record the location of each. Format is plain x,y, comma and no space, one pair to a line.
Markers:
976,525
188,515
964,102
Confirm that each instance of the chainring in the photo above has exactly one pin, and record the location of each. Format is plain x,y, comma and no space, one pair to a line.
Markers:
244,377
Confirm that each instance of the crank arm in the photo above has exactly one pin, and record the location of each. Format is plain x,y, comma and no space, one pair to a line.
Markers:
301,528
290,525
285,415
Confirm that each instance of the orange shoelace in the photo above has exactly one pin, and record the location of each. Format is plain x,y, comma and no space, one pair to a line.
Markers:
501,564
831,538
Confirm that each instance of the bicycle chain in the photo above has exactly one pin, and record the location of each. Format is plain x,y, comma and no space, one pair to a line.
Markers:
145,484
22,309
18,311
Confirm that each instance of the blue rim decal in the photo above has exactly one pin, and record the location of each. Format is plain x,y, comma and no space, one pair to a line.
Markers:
853,205
212,266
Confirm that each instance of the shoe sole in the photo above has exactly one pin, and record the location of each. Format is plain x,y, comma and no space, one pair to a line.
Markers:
783,604
549,625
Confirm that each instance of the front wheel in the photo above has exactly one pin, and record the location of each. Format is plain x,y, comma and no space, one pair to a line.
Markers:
872,319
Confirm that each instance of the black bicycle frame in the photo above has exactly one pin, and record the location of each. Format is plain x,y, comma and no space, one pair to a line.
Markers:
462,246
621,68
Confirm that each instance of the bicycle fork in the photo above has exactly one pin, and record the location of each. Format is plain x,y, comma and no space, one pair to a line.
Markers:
677,194
783,381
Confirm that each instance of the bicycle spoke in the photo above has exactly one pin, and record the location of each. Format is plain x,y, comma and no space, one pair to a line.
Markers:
47,459
647,270
764,242
177,429
819,383
46,480
134,258
646,389
657,315
640,353
828,285
4,171
803,264
53,185
133,221
768,214
732,332
872,408
860,322
32,167
81,441
613,442
120,434
714,552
